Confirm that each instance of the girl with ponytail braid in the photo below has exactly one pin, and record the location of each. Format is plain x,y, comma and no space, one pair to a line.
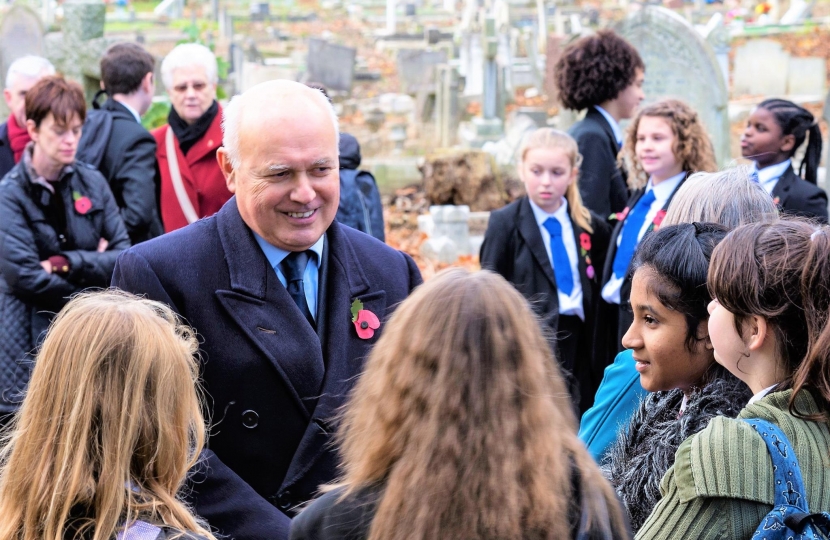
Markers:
775,130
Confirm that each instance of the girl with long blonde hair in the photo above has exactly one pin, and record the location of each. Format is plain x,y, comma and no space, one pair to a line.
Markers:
461,428
108,429
552,248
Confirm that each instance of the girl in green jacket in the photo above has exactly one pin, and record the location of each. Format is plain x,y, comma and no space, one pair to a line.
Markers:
768,324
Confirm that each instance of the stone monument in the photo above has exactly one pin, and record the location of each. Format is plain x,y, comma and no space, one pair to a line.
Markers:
21,33
680,64
330,65
76,51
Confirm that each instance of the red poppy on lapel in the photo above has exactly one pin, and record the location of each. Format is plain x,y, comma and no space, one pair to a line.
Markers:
658,219
365,322
585,251
619,216
82,203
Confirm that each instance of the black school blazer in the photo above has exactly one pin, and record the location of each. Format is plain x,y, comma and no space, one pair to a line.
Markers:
513,247
798,197
601,181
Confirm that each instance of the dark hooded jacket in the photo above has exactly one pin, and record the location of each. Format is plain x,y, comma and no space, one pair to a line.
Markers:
360,204
30,296
645,451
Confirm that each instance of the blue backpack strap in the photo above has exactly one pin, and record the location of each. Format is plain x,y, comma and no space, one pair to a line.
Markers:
789,484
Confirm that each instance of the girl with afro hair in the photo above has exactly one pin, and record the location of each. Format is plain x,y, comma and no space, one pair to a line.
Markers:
604,74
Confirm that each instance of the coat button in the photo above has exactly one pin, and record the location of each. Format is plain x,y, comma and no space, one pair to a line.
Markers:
284,500
250,419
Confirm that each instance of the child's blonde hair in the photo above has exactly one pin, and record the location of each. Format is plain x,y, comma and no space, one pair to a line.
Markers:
549,138
110,425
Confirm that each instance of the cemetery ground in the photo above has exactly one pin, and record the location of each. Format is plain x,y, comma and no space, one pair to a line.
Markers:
426,85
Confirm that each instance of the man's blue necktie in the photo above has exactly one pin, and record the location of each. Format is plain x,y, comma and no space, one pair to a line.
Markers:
754,177
293,268
630,232
561,262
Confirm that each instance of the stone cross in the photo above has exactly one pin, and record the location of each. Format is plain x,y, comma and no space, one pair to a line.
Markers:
76,51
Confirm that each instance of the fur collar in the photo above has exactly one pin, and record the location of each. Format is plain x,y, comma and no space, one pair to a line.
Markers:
645,450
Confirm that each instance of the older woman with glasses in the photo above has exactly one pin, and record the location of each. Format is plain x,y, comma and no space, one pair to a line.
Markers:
60,230
192,185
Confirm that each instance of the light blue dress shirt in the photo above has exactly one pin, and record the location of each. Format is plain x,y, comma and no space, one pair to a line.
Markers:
311,277
768,176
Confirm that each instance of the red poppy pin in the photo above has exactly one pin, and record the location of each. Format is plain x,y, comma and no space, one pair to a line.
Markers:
658,219
776,201
619,216
82,203
585,251
365,322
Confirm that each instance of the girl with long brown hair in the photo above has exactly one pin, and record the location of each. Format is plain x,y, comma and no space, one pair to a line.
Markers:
461,428
108,429
768,324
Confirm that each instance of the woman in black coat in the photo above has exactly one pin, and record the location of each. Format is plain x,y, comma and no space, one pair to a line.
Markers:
60,230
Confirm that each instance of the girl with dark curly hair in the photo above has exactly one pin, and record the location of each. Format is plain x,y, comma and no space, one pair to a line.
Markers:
665,143
775,130
604,74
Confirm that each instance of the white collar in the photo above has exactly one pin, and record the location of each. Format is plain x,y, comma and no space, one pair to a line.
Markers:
542,216
762,393
664,189
133,111
773,172
615,127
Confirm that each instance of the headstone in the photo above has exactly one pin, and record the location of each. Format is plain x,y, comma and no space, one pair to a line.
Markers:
416,68
807,76
717,35
391,22
447,107
330,65
799,9
449,232
680,64
761,68
21,33
552,53
76,50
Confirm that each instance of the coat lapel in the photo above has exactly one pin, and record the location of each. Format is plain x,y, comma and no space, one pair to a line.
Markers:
345,351
264,312
209,142
782,187
607,269
529,231
609,131
583,269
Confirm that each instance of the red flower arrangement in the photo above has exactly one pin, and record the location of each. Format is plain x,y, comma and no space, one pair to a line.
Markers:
365,322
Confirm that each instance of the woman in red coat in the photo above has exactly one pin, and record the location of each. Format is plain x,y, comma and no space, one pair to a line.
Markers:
192,185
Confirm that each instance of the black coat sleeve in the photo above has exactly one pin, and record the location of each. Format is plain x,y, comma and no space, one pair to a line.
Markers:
20,260
93,268
495,251
133,178
597,173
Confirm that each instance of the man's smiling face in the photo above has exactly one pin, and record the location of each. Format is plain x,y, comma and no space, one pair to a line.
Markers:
287,184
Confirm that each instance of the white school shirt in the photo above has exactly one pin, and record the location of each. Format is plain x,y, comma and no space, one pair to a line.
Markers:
768,176
662,192
568,304
615,127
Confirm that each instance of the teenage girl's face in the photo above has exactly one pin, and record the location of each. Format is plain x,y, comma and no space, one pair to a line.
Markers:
657,338
655,149
547,173
763,140
631,96
729,347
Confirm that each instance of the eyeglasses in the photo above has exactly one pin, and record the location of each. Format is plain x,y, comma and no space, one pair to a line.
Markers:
196,86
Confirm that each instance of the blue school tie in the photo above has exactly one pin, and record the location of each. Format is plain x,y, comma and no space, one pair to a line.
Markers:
293,268
561,262
630,232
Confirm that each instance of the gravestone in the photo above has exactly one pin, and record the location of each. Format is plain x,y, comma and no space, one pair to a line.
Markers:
680,64
761,68
21,33
807,76
76,50
416,69
330,65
